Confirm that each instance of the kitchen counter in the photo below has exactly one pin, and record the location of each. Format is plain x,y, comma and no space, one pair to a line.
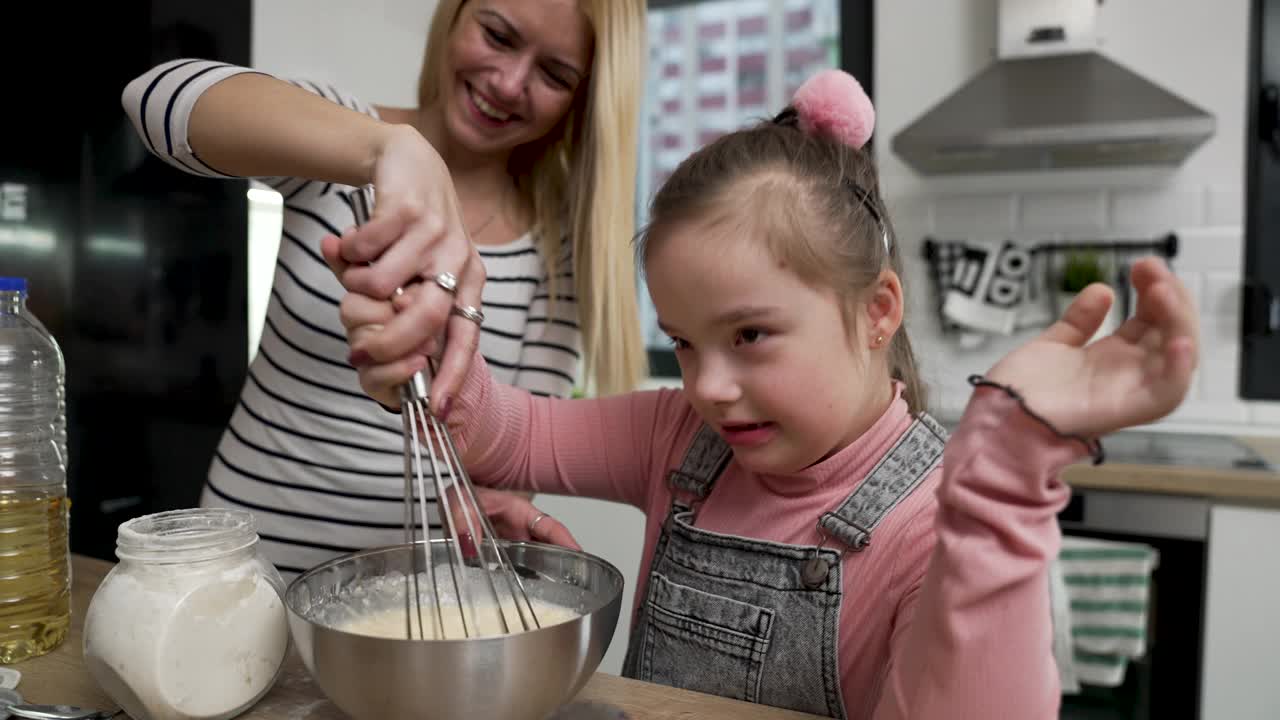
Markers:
60,677
1229,469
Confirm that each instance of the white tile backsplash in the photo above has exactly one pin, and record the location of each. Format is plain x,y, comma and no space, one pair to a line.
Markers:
1202,201
1067,212
1150,210
1220,309
1219,373
1208,262
992,214
912,215
1211,248
1224,206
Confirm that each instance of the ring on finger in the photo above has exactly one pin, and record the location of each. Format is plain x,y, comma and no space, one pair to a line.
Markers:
537,519
471,313
446,280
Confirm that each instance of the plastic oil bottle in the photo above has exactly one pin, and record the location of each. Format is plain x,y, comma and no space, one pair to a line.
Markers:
35,561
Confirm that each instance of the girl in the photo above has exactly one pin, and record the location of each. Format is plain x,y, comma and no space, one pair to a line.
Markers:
806,544
526,109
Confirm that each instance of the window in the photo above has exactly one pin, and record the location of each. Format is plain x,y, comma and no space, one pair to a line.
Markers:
1260,343
720,64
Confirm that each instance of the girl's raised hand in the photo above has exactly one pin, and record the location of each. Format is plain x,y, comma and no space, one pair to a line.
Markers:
1137,375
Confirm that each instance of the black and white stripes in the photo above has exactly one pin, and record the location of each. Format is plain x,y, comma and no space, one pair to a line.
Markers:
319,463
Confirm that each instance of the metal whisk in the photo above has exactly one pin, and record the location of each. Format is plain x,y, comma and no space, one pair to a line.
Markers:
426,435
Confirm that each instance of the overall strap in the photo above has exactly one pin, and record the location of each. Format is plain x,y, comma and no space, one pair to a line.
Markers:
706,458
916,454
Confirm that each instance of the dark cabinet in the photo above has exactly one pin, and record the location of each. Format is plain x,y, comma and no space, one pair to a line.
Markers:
139,270
1260,339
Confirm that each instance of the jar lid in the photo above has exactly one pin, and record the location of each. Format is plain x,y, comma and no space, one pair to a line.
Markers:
9,696
185,535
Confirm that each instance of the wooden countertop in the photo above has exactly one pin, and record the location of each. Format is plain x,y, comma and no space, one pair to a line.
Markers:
1226,485
60,678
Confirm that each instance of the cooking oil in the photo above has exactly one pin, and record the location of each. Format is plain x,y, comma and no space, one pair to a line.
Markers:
35,572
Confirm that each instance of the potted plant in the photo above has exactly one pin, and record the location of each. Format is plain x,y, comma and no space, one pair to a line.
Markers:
1081,269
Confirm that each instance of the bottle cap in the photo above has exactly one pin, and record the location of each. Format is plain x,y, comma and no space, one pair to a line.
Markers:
13,284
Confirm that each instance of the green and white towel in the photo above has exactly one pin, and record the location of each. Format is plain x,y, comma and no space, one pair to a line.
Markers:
1102,589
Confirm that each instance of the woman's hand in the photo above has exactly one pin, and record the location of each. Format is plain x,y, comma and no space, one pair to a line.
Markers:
514,517
415,234
1136,375
365,320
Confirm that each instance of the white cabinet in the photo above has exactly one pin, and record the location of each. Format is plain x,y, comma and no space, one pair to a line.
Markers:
1242,616
614,532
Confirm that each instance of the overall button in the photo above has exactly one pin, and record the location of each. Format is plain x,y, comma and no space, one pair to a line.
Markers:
814,572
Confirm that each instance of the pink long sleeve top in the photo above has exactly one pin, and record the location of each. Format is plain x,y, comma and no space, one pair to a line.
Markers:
946,616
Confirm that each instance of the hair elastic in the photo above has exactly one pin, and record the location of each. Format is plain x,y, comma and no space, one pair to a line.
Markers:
832,104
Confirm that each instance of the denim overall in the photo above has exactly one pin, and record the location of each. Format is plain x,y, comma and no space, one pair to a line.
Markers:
756,620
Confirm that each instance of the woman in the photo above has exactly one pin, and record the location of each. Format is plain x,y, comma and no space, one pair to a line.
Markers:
519,160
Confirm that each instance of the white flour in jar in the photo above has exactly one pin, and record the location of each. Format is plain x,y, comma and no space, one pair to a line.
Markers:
197,641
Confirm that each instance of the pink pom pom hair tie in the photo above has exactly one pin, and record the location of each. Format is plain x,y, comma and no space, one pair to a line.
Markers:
833,104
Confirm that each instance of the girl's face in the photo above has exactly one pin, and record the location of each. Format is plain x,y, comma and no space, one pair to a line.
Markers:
765,358
512,70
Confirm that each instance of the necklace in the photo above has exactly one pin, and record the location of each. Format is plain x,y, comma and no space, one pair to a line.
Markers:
483,225
474,233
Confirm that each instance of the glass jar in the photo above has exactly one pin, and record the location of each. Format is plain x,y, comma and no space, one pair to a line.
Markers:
191,623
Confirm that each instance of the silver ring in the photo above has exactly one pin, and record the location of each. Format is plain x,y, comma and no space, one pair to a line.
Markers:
447,281
536,520
470,313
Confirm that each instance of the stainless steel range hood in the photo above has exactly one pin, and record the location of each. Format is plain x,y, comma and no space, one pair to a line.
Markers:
1039,107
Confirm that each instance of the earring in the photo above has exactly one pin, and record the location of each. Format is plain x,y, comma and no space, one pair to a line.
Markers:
878,341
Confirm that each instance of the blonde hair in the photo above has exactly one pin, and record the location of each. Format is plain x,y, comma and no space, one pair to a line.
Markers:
814,202
581,183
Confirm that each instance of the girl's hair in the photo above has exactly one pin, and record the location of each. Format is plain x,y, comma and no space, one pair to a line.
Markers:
815,203
580,181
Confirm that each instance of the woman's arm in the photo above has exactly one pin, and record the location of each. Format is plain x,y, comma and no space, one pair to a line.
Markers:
219,120
214,119
300,135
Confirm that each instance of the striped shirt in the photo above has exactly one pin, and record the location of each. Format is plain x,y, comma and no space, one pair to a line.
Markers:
318,462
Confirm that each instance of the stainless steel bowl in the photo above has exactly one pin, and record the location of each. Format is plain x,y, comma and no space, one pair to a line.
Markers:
522,676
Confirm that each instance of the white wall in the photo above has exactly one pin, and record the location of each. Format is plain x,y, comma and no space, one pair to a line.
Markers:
373,49
926,49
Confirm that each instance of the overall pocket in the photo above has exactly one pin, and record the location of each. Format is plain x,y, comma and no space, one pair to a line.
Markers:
699,641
